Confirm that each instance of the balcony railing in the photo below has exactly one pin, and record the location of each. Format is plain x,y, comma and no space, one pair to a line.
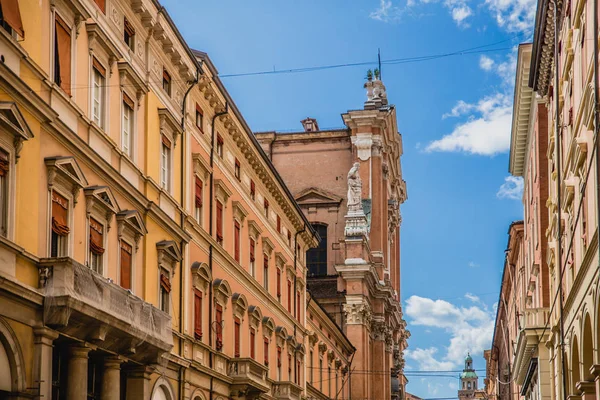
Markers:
88,306
286,391
249,377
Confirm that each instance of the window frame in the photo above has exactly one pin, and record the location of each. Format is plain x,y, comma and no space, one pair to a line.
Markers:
128,37
91,255
67,25
131,262
167,82
101,90
127,103
66,241
318,268
166,163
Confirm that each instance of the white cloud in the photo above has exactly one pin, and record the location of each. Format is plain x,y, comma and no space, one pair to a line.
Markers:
513,15
472,264
473,298
383,12
486,63
485,132
470,329
512,188
460,13
388,11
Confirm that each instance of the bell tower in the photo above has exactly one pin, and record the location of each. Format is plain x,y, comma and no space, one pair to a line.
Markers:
468,380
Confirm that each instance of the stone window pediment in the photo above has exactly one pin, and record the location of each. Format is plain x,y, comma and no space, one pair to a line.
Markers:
222,192
201,275
129,78
239,212
280,335
168,255
253,229
322,347
268,246
317,197
65,172
300,349
268,326
290,271
99,199
12,121
254,316
280,260
201,166
130,223
291,342
169,126
222,291
98,39
240,305
312,338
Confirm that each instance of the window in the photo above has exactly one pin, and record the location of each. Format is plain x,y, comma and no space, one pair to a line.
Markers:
321,374
219,145
101,5
317,258
266,207
10,17
278,284
289,367
4,199
279,363
60,225
165,290
266,351
236,337
266,272
98,90
252,265
219,327
289,296
128,33
237,170
236,241
298,305
166,82
252,343
127,128
311,366
297,376
96,245
165,164
198,201
199,118
252,190
329,380
197,314
289,236
278,224
62,54
126,252
219,223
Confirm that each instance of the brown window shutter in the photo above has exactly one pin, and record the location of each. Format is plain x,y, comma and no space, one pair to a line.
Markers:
252,188
197,314
289,295
252,250
126,252
165,283
101,5
278,224
165,141
127,100
4,163
96,237
278,282
60,205
219,221
252,343
12,15
278,356
219,139
198,197
266,203
236,334
298,306
98,67
236,239
63,52
199,109
219,326
266,350
166,76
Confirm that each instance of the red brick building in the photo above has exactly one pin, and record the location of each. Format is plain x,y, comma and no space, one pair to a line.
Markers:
355,272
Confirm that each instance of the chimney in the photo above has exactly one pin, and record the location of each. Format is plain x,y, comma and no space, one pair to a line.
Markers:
310,125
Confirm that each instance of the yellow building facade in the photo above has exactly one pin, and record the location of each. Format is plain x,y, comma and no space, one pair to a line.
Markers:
149,249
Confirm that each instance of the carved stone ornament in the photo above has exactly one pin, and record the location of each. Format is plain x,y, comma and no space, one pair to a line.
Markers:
322,347
363,143
358,314
378,330
354,189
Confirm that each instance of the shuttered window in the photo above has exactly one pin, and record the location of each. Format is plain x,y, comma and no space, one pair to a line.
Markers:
279,283
252,263
237,169
252,190
219,222
10,16
298,306
219,327
252,343
236,241
266,272
278,224
126,251
266,351
198,200
197,314
101,5
62,54
96,245
289,296
236,335
60,225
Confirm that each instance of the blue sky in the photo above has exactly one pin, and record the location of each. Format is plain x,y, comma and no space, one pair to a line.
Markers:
454,114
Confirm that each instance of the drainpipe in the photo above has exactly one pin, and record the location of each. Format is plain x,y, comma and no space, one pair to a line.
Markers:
557,143
182,224
210,231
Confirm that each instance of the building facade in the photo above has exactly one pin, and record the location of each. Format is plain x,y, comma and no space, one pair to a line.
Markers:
149,249
349,184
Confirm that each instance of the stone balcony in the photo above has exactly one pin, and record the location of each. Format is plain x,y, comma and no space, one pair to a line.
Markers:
87,306
532,323
286,391
249,378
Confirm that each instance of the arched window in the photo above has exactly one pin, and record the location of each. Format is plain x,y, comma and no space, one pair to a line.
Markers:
316,259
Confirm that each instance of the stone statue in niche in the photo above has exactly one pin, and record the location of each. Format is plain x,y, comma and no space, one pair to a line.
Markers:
354,189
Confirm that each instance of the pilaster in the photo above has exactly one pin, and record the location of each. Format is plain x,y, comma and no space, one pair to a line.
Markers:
42,361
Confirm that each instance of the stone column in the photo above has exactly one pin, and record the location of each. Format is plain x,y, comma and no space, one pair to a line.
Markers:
358,318
378,361
111,379
42,361
77,372
138,382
